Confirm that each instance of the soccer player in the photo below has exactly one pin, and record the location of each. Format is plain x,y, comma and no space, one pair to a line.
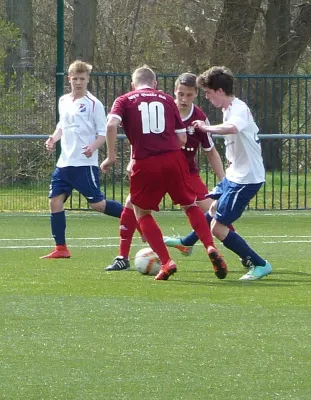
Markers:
186,91
82,130
152,123
245,174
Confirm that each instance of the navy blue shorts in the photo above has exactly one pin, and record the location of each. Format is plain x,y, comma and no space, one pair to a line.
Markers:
232,198
84,179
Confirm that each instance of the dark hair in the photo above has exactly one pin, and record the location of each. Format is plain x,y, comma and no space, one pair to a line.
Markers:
217,78
188,79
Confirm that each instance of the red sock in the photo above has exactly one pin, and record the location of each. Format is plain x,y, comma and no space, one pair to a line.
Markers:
231,227
128,225
138,228
200,225
154,237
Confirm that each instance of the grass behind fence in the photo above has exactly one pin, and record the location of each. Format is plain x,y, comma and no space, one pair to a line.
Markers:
280,192
73,331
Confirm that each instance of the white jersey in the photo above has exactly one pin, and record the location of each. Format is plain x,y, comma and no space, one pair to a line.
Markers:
81,121
243,149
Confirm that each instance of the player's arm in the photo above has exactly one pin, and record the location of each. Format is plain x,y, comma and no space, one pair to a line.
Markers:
182,137
180,128
50,143
129,166
215,162
226,128
100,127
89,149
111,138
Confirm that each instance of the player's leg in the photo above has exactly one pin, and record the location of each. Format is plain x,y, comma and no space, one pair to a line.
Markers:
230,207
185,244
128,224
184,195
59,192
153,234
147,190
86,181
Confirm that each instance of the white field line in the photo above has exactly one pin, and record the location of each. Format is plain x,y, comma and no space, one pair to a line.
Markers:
104,240
37,239
117,238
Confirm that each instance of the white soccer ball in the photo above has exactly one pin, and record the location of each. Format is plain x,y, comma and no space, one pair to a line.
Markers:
147,262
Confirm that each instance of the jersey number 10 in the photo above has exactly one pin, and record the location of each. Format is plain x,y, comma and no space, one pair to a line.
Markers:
152,117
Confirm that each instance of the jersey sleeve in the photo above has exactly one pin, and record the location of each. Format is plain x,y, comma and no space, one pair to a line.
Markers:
100,118
179,125
117,108
239,118
207,142
60,113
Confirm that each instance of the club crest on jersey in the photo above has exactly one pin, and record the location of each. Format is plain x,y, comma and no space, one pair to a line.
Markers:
82,107
190,130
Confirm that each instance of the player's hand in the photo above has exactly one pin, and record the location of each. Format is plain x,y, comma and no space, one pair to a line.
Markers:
87,150
201,125
50,144
213,208
104,166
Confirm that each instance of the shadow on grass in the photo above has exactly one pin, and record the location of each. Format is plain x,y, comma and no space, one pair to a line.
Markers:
271,280
238,283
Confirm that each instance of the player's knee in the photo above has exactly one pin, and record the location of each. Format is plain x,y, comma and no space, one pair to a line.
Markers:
128,203
219,230
212,208
100,206
185,208
57,204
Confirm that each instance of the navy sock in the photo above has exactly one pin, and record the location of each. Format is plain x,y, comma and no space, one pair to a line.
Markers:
192,238
238,245
113,208
58,227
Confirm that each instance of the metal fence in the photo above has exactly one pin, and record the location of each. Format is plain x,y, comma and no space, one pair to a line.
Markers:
279,103
26,168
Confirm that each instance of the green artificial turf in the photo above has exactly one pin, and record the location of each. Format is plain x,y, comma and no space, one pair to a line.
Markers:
71,330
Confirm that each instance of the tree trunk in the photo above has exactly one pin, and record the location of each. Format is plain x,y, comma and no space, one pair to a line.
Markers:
20,59
234,34
84,30
284,44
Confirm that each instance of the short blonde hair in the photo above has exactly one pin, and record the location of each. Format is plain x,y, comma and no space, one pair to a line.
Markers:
143,76
79,67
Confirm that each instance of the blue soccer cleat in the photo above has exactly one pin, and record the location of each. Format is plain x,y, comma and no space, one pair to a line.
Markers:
177,244
257,272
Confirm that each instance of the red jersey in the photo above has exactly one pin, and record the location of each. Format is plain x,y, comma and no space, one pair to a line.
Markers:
195,137
151,120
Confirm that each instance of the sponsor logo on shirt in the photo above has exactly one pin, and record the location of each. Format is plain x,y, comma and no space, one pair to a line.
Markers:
190,130
82,108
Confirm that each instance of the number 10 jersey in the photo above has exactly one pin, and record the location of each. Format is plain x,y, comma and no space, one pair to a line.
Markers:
150,119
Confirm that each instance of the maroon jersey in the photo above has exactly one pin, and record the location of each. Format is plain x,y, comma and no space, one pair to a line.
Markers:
195,137
150,120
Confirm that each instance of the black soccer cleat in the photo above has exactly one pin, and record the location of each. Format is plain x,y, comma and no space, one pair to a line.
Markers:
119,264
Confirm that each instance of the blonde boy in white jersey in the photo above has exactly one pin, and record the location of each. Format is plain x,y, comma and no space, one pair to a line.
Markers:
245,173
82,130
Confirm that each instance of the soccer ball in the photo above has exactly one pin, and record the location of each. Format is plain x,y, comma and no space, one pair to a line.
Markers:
147,262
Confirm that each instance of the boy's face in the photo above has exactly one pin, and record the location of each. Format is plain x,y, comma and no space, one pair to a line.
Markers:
79,81
216,97
185,96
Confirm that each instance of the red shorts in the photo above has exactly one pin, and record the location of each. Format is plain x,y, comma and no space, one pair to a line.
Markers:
199,187
155,176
